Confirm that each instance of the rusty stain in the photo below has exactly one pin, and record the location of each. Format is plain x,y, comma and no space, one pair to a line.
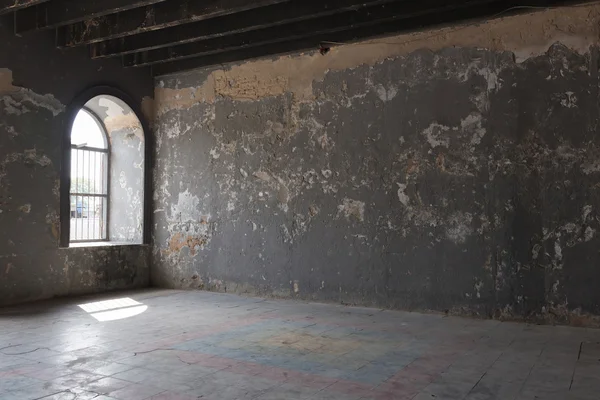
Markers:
124,122
179,241
54,228
6,82
168,99
412,166
441,162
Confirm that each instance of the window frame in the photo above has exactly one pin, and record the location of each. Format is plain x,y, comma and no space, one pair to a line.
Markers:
79,101
107,174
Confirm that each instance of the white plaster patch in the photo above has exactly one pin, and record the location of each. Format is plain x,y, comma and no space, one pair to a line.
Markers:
491,77
232,201
112,108
326,142
187,227
436,135
535,252
30,156
459,227
558,250
569,100
478,286
186,208
591,167
589,233
215,154
472,125
287,238
42,160
587,210
352,209
10,130
402,196
570,227
386,94
172,129
481,101
123,180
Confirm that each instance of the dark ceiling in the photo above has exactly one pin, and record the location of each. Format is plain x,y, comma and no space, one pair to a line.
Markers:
176,35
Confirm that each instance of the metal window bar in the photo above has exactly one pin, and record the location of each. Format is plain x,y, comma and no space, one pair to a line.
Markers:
89,195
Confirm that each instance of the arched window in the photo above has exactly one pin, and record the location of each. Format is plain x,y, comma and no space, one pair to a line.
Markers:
89,192
104,176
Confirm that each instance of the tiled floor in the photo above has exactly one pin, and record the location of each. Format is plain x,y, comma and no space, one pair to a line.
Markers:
196,345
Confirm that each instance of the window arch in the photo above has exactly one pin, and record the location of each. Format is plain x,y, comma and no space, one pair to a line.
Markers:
103,178
89,191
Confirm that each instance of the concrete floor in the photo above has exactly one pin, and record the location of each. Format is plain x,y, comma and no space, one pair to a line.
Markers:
189,345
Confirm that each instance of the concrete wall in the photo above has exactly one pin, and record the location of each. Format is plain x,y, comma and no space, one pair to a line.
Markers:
37,84
456,170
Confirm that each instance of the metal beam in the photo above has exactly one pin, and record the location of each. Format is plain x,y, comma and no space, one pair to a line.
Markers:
7,6
467,11
363,17
246,21
159,16
64,12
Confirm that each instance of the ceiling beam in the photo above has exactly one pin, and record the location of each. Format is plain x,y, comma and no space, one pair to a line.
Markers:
159,16
246,21
64,12
7,6
330,24
456,14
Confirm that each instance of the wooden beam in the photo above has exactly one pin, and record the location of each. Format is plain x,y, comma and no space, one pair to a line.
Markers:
469,11
246,21
159,16
322,26
7,6
64,12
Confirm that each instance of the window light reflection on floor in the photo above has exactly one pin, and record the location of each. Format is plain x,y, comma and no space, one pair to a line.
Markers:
115,309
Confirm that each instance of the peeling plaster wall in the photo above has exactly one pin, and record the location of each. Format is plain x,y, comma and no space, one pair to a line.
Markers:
33,118
126,221
127,163
455,170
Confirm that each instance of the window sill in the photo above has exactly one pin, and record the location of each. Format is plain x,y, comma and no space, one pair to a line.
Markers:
102,244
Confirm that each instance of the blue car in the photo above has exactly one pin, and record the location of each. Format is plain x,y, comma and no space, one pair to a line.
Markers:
79,211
